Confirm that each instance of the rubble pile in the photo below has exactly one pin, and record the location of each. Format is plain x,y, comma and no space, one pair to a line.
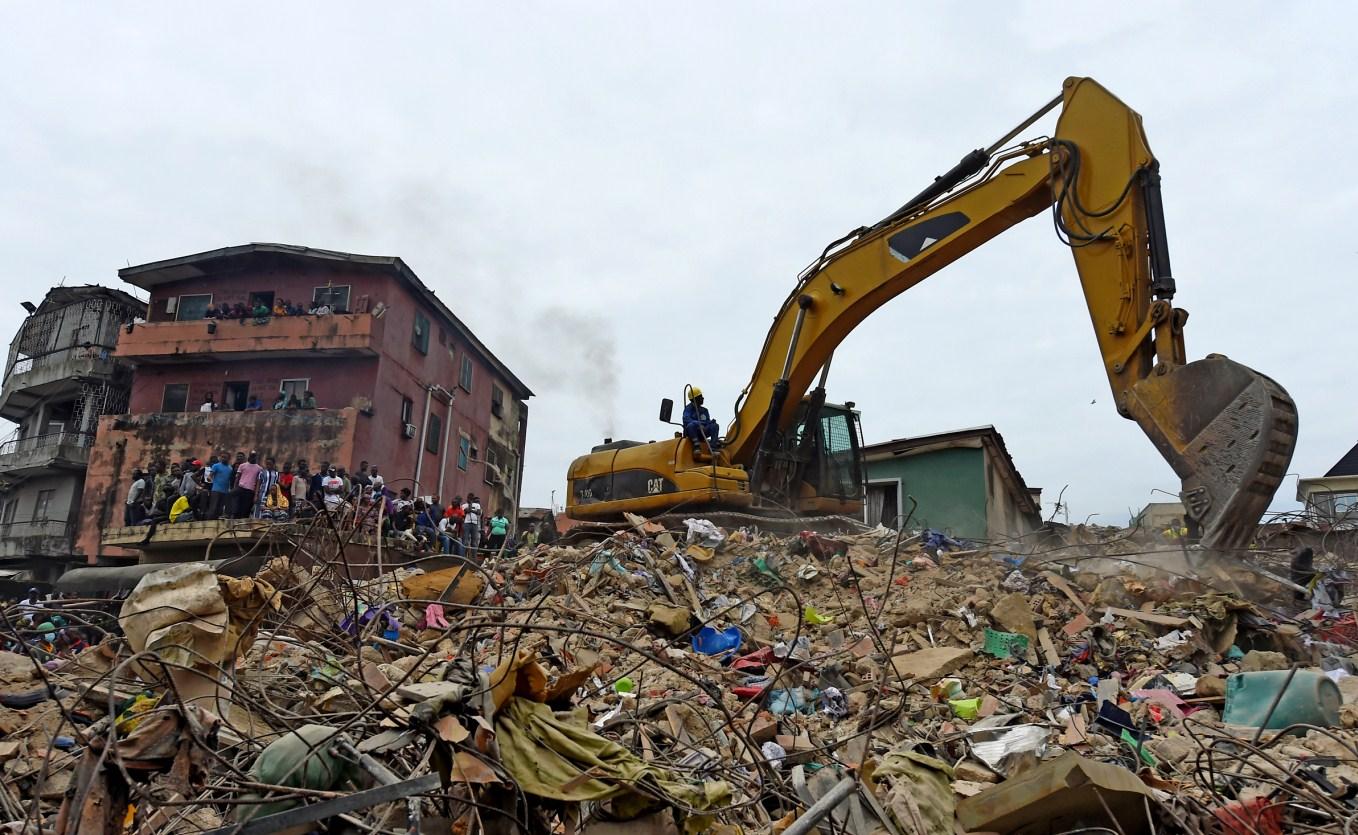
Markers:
696,679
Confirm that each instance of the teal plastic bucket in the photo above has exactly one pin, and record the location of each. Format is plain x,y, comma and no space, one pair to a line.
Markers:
1311,699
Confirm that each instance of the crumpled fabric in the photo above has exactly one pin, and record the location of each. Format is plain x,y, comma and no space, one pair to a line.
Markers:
433,617
940,541
545,753
704,533
179,613
246,599
919,794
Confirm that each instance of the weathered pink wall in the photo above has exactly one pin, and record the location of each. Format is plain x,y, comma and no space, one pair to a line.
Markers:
127,441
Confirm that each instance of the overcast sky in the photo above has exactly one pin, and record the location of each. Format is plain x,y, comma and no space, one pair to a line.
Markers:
617,199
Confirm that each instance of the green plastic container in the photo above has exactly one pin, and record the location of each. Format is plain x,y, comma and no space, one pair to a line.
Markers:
1311,699
1005,644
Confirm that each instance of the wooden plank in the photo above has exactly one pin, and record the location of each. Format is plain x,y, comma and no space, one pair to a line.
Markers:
1048,648
1148,617
1060,584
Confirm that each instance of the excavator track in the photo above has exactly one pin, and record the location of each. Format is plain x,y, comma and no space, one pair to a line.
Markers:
730,520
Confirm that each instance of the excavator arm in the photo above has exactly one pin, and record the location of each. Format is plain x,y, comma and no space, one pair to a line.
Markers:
1227,431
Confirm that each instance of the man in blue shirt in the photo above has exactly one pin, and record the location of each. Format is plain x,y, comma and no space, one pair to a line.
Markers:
221,486
698,424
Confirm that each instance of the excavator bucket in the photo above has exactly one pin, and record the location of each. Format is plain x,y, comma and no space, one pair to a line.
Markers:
1228,432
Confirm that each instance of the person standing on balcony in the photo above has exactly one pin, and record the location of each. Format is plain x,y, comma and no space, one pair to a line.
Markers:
281,402
166,482
308,399
297,491
208,404
221,486
499,529
247,479
254,404
332,490
188,480
471,524
134,494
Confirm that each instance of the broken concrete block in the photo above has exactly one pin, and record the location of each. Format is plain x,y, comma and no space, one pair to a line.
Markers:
931,663
974,772
1256,660
670,619
765,727
1013,614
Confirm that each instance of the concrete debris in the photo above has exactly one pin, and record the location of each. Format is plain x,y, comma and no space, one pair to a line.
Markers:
685,678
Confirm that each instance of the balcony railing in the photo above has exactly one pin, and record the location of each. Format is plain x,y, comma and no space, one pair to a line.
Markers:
26,456
198,340
44,443
44,537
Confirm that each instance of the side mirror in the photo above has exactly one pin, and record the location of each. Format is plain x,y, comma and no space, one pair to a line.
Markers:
666,410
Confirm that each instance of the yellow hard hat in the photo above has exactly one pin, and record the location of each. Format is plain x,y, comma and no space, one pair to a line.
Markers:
694,391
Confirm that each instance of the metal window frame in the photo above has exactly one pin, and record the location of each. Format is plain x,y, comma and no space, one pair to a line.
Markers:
179,305
165,392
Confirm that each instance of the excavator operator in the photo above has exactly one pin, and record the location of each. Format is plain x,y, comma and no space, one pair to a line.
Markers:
698,423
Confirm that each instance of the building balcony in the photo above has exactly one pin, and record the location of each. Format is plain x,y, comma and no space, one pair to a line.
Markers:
31,380
22,457
40,537
215,340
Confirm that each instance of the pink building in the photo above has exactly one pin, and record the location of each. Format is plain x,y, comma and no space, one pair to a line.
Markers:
411,387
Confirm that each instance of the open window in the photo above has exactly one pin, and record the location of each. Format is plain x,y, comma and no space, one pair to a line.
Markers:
336,297
295,388
497,401
236,395
264,297
419,336
192,307
176,398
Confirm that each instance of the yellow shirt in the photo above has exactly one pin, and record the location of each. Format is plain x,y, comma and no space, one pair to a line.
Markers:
180,506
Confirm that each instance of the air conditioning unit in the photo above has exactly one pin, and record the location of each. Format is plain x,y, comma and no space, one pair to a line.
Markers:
407,430
492,474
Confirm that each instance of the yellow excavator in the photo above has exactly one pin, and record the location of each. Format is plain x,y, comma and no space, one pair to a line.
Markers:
1227,431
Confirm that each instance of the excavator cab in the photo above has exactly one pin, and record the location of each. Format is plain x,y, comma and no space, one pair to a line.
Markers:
817,465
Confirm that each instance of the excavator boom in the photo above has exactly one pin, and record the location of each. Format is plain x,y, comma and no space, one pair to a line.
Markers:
1227,431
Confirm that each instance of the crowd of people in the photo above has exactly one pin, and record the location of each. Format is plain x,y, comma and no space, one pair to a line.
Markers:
246,487
282,401
262,312
40,629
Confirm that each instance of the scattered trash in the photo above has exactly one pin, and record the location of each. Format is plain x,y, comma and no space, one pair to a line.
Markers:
677,680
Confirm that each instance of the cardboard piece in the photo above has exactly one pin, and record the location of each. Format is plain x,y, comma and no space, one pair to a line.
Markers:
1059,795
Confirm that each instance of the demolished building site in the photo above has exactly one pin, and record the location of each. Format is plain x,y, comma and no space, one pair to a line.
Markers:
682,677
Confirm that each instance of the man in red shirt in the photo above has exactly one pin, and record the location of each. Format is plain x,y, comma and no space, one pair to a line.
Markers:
454,516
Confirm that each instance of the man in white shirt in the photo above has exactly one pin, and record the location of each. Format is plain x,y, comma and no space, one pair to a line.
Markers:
208,405
332,490
134,494
376,482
